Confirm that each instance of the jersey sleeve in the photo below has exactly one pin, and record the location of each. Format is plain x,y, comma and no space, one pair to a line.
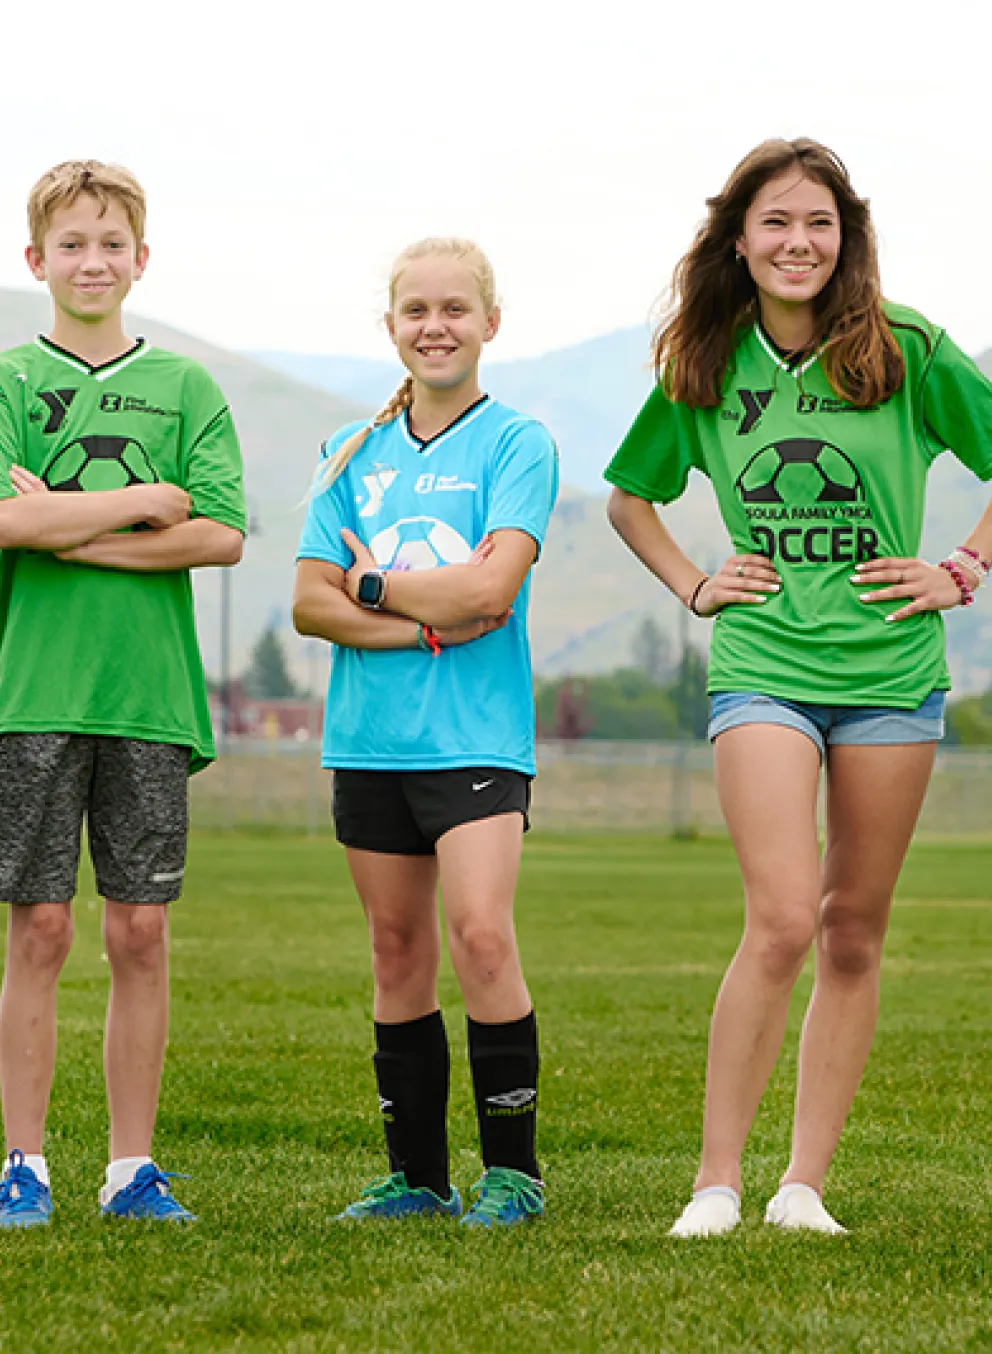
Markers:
957,408
524,485
213,471
327,510
11,451
654,459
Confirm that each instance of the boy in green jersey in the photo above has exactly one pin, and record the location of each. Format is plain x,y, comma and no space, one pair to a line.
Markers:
119,472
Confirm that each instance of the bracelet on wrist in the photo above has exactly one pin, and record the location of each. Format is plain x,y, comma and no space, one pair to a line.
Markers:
427,639
691,604
964,587
971,560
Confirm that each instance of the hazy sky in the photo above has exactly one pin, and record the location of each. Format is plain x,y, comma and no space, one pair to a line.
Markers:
289,156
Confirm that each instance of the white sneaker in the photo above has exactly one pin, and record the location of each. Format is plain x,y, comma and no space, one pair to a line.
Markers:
712,1212
799,1207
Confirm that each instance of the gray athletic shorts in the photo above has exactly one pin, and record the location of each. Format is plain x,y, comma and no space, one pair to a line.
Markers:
133,796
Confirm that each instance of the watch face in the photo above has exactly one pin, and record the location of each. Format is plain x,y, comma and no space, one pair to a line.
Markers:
370,589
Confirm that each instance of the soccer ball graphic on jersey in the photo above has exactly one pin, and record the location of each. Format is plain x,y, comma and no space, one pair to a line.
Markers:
800,470
419,543
99,462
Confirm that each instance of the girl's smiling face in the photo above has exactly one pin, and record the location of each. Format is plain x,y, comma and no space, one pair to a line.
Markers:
791,240
438,321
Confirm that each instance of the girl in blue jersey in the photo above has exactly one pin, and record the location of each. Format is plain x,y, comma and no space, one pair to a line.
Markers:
415,563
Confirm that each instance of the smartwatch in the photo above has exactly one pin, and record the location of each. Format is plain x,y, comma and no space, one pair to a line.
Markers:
372,589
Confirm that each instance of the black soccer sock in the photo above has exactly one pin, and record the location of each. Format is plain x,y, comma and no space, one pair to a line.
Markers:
504,1072
412,1068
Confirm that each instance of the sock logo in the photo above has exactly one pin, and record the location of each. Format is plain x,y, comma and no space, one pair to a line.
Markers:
385,1104
512,1102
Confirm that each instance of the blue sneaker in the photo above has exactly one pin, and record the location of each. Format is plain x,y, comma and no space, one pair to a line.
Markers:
505,1197
392,1197
24,1200
148,1196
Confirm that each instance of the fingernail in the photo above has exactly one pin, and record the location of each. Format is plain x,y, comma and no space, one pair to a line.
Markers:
864,597
760,597
892,617
856,578
776,587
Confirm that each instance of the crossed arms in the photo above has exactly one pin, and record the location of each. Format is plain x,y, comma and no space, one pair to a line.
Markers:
86,527
461,602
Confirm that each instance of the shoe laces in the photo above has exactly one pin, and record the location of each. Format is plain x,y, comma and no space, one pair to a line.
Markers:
20,1190
151,1187
385,1188
502,1189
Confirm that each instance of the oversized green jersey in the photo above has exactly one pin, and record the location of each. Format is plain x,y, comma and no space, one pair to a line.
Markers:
109,651
816,485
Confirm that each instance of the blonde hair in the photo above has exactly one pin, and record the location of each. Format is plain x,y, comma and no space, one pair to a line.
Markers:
435,246
64,184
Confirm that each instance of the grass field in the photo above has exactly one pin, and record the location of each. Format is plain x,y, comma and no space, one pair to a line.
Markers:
269,1102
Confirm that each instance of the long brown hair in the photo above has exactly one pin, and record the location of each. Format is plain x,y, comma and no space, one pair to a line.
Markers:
713,295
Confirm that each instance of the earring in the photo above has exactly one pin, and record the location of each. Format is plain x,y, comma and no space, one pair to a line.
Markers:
738,257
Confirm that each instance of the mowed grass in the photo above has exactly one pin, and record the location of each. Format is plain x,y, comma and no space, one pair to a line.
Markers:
269,1102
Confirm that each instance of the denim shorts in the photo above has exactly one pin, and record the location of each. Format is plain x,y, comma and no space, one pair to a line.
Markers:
865,725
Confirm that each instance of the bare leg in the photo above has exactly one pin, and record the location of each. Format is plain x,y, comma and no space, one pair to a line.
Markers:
137,940
767,778
479,863
38,939
399,895
874,798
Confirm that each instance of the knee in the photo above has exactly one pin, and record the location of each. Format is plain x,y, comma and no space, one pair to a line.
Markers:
401,955
137,936
850,940
780,949
481,949
44,937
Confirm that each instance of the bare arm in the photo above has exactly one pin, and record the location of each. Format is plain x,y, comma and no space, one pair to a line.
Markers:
457,594
743,578
47,521
188,545
322,609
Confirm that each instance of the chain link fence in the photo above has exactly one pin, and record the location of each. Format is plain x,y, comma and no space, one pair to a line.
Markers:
663,787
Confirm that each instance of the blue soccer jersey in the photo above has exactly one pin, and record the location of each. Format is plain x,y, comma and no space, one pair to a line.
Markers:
421,505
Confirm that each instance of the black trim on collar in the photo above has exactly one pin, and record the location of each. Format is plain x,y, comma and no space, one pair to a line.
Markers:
423,442
93,371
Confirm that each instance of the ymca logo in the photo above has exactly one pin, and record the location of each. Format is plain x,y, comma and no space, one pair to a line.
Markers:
755,403
57,402
376,485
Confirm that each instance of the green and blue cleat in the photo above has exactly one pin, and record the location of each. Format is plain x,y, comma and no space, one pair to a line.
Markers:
505,1197
392,1197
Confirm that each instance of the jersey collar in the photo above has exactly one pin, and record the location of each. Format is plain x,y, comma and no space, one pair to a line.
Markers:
101,372
782,365
425,448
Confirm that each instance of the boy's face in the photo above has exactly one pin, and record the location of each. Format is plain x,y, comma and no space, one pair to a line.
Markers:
89,261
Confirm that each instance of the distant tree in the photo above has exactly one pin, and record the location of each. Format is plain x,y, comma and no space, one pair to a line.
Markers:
571,720
651,650
688,694
969,721
267,676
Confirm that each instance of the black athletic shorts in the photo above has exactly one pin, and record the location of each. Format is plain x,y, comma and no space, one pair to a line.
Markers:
133,795
403,813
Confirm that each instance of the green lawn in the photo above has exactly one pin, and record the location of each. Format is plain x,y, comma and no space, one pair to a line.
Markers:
269,1102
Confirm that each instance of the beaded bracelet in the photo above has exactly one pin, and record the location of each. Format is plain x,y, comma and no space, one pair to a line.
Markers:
427,639
964,587
971,560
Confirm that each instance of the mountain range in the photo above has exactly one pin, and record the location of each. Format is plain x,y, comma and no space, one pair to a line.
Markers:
590,594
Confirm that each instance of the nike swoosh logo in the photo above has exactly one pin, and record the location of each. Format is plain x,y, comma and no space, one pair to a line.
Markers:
481,784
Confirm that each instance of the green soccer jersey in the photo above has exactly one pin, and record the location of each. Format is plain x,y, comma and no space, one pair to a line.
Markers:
109,651
802,477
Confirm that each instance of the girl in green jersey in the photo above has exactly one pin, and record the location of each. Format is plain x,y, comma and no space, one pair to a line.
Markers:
816,410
